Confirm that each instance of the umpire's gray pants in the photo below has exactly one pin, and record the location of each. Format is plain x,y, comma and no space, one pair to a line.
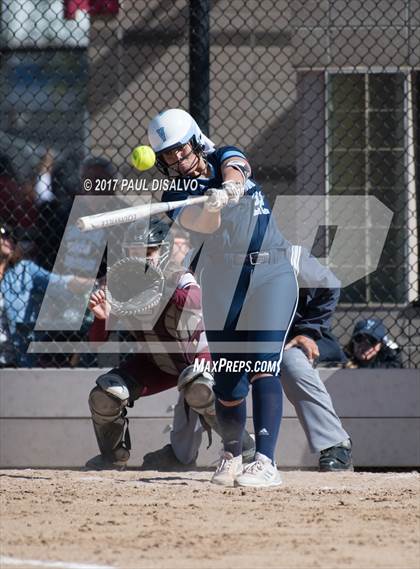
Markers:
304,389
186,434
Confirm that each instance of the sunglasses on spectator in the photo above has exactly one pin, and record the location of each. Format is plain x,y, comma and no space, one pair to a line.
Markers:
359,338
6,233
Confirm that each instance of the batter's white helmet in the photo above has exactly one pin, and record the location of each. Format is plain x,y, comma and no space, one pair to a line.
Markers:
173,128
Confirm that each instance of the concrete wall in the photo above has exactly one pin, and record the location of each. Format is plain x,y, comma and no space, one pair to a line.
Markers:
44,419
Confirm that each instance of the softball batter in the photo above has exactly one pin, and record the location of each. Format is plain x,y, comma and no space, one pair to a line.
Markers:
249,288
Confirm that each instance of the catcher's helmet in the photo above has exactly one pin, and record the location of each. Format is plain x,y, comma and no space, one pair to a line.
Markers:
153,234
170,129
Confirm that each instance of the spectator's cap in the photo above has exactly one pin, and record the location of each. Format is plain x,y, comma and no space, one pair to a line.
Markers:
373,327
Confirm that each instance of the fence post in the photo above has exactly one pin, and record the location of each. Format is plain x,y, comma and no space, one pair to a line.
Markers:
200,62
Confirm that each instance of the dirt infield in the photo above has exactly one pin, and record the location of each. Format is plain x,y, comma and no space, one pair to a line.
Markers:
170,520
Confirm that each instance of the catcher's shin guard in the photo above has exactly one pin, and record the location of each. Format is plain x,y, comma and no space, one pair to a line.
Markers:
110,424
197,388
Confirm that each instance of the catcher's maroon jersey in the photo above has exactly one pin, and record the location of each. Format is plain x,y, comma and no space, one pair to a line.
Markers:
179,324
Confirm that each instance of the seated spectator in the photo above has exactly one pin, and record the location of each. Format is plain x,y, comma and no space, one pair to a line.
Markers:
68,175
43,183
72,251
17,202
22,289
7,247
61,178
370,347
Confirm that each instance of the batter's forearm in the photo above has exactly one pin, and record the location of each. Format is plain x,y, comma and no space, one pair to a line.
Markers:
232,175
200,220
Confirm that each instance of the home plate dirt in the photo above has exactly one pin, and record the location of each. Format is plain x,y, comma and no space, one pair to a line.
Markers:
75,519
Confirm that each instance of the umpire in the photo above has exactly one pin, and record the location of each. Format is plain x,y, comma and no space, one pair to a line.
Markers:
310,342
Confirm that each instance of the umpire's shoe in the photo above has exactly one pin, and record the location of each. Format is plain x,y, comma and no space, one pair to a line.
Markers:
336,458
116,462
164,459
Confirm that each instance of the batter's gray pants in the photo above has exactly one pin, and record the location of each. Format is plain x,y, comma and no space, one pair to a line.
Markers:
304,389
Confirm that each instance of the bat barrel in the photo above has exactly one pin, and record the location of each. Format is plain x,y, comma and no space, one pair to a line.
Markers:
130,214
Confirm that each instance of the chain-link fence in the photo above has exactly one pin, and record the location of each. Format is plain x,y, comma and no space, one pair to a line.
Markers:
322,96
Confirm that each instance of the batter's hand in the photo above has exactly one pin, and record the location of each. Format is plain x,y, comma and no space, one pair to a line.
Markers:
99,305
217,199
234,190
307,345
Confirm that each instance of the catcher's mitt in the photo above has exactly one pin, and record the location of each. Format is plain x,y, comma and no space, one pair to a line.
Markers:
134,287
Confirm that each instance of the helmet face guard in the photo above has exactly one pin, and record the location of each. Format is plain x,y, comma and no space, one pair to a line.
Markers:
171,170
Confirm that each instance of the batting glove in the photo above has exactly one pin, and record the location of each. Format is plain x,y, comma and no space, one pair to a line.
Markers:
235,190
217,200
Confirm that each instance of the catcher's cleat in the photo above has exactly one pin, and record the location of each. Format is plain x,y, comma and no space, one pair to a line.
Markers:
100,462
336,458
228,469
164,459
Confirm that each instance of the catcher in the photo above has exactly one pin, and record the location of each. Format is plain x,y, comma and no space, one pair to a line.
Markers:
160,301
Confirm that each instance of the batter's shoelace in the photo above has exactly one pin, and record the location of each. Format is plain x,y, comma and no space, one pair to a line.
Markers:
254,467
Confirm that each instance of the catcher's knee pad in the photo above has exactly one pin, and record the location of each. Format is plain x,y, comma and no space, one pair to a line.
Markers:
108,399
114,384
197,387
104,407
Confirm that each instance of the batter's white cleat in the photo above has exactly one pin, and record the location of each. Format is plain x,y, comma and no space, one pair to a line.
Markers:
228,469
261,473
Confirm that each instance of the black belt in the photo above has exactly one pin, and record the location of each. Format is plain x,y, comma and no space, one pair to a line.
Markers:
254,258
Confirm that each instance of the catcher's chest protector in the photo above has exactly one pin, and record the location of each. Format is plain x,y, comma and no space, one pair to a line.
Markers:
180,327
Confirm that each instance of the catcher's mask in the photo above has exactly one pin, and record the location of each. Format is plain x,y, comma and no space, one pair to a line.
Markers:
134,288
145,239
